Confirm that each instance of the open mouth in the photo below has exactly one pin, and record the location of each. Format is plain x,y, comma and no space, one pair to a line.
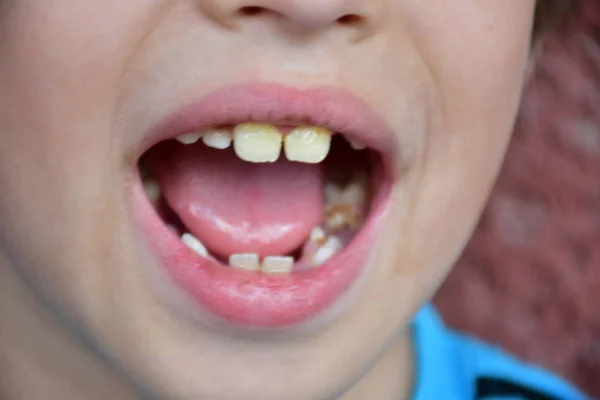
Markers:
263,222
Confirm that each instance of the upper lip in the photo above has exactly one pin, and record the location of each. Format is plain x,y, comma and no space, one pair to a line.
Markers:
328,107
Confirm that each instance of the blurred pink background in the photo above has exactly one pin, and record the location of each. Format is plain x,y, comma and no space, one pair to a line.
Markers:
530,278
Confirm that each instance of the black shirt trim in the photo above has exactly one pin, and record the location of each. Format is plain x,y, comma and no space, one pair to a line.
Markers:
488,388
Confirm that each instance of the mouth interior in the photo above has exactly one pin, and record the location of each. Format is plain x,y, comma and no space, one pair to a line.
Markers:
275,217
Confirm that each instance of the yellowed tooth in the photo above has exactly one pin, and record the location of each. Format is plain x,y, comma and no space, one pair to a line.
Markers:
307,144
257,143
189,138
217,138
193,243
152,190
246,261
330,248
277,265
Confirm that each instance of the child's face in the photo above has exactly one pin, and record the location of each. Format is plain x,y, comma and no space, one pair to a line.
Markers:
86,86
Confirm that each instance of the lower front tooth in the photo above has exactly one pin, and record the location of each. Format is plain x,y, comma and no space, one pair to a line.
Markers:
277,265
331,247
246,261
193,243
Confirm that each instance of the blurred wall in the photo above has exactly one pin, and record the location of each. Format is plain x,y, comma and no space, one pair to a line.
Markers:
530,278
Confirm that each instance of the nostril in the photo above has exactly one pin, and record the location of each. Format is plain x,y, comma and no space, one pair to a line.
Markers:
350,20
251,11
303,16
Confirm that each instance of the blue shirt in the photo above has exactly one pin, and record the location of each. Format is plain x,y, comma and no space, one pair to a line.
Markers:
453,366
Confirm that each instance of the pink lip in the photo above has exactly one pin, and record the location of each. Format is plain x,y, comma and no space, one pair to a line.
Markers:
246,298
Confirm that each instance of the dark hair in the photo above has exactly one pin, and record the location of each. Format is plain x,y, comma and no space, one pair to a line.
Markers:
551,14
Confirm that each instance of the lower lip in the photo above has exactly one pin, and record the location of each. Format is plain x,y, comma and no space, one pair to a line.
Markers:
247,298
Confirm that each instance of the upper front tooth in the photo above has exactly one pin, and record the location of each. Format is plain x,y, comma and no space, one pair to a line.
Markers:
245,261
193,243
277,265
308,144
188,138
217,138
254,142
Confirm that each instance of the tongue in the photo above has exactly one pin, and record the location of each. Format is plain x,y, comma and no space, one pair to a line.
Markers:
234,206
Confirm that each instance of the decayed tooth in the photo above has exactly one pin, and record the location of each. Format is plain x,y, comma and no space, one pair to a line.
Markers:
341,216
217,138
277,265
246,261
307,144
258,143
344,204
317,235
336,219
193,243
330,248
189,138
152,190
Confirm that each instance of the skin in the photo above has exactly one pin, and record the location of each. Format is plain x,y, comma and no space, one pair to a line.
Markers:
80,83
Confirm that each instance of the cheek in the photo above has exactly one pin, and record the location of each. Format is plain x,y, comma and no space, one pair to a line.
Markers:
58,98
478,72
476,53
57,102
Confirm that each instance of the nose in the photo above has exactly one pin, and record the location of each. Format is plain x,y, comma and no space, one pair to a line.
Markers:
304,15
